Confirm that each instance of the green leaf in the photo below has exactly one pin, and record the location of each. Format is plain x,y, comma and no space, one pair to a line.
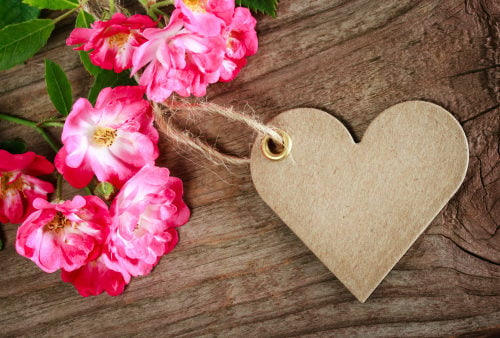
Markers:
83,20
14,11
58,87
14,146
108,78
88,65
20,41
264,6
53,4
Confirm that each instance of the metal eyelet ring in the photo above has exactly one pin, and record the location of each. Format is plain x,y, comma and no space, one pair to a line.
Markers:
283,153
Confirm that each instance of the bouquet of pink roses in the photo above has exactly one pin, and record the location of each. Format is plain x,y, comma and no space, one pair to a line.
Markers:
109,143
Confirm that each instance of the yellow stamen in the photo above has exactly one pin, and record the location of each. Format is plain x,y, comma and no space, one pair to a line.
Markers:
5,186
195,5
230,40
118,40
58,223
104,136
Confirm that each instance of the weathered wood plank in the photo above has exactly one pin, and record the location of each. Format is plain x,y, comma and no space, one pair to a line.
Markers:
238,270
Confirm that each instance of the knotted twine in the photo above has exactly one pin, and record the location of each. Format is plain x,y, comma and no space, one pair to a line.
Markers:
163,116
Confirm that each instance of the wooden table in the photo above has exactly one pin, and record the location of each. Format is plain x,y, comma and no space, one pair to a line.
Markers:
238,270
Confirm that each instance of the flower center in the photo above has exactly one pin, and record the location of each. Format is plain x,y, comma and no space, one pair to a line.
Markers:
104,136
118,40
58,223
231,40
5,186
195,5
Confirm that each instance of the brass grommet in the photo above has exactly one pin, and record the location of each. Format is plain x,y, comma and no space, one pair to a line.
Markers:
283,153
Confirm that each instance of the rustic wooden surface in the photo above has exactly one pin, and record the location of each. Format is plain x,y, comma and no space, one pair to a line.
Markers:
238,270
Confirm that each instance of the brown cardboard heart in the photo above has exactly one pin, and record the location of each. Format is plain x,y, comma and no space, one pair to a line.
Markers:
360,206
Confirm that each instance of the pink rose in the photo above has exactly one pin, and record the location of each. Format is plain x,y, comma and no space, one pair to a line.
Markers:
144,216
241,41
18,185
94,278
64,235
207,17
178,60
112,42
112,140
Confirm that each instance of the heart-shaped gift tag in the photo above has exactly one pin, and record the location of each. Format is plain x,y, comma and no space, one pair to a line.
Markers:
360,206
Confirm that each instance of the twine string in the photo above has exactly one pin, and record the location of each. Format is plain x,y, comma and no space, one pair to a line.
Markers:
163,117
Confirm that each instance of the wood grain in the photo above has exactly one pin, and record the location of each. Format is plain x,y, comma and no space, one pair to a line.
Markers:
238,270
